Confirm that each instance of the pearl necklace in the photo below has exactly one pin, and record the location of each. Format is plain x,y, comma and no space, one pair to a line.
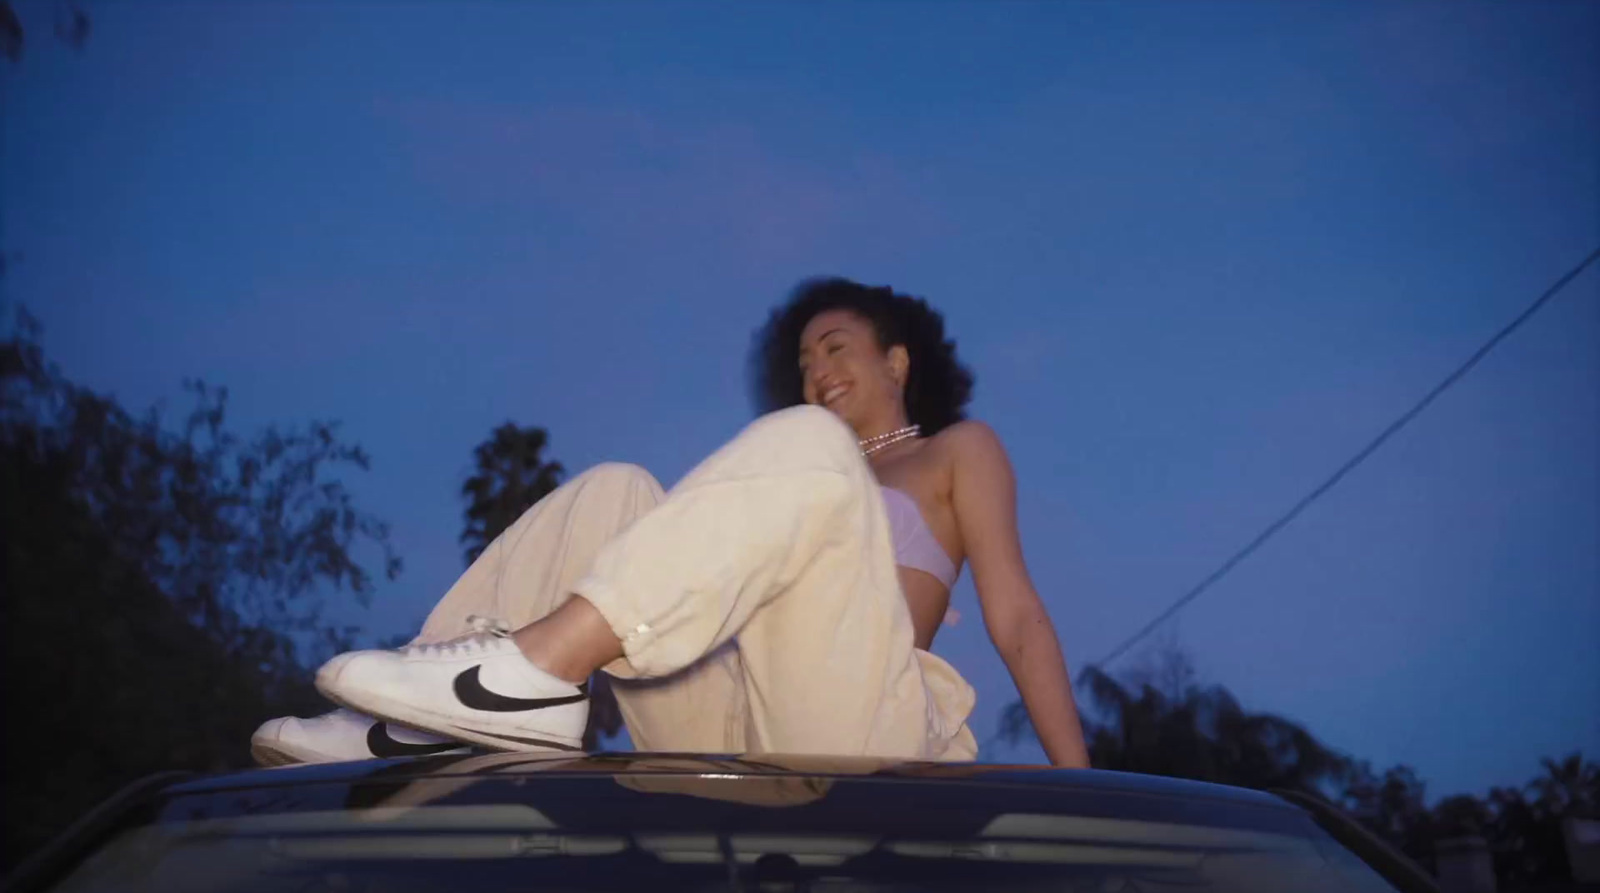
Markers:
882,441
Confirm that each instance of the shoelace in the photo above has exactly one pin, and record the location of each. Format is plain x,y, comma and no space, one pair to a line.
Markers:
484,631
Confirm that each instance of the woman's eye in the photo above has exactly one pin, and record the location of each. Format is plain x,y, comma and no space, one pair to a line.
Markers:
835,348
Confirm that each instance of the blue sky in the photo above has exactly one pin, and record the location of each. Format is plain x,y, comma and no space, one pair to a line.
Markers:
1197,254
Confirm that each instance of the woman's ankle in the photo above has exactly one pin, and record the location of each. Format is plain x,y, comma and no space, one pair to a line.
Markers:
571,642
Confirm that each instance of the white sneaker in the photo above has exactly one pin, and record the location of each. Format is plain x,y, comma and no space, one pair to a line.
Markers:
339,736
476,688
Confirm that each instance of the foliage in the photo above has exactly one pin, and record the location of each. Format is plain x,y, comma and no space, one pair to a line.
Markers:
1158,721
71,28
511,475
163,586
1186,730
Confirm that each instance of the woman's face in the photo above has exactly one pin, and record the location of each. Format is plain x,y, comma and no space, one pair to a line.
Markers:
843,369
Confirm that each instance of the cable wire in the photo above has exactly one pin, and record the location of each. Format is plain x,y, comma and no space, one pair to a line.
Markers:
1351,463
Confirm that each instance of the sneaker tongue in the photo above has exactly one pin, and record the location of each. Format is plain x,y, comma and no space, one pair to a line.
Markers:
497,645
489,625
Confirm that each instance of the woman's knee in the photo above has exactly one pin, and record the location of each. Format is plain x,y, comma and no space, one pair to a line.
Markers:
621,475
814,426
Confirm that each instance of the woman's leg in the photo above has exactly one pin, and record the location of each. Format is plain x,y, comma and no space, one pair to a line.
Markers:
522,576
531,569
778,544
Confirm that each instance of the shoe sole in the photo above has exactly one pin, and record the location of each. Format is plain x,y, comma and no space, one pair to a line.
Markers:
272,754
395,711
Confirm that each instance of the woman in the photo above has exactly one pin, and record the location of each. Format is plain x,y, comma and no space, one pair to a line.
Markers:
781,599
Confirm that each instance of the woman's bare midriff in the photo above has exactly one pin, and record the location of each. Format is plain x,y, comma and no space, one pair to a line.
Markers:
924,475
927,600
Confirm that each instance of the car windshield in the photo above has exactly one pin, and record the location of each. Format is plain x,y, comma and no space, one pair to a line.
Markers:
709,831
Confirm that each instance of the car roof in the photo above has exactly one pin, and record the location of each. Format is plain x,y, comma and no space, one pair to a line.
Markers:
509,766
592,792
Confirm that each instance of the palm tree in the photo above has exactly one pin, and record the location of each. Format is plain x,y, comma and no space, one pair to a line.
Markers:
1525,832
1204,734
1569,787
1160,722
511,474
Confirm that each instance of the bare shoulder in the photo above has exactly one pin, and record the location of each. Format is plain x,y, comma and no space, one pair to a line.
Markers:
971,450
971,441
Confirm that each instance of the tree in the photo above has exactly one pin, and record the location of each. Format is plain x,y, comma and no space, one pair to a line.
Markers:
71,28
10,33
242,535
1569,786
1156,720
164,585
1394,806
1527,827
1159,721
1203,733
511,474
1522,826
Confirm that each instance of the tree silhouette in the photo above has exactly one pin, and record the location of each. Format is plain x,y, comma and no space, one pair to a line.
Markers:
1525,833
10,32
163,584
1202,732
1569,786
1156,720
1159,721
1394,806
71,26
510,475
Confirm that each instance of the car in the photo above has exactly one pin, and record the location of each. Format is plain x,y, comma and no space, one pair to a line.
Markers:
489,822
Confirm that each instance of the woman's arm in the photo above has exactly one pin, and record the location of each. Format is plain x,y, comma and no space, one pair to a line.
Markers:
984,495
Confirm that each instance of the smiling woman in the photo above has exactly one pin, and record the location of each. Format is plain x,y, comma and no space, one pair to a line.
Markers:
935,389
881,361
781,599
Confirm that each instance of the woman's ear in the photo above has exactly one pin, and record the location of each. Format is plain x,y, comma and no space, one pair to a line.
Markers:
899,364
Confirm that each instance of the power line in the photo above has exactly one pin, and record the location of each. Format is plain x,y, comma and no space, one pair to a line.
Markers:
1351,464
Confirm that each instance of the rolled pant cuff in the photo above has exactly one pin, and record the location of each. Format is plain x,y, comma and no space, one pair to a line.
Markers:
627,625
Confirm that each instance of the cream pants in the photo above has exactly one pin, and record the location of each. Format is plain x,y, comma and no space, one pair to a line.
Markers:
758,603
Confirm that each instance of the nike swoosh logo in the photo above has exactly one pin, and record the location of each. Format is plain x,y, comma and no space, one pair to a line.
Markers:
472,694
382,745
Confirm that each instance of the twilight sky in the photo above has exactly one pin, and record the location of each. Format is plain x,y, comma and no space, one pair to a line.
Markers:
1197,253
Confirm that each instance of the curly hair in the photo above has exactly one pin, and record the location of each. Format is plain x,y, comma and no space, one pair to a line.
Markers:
938,386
